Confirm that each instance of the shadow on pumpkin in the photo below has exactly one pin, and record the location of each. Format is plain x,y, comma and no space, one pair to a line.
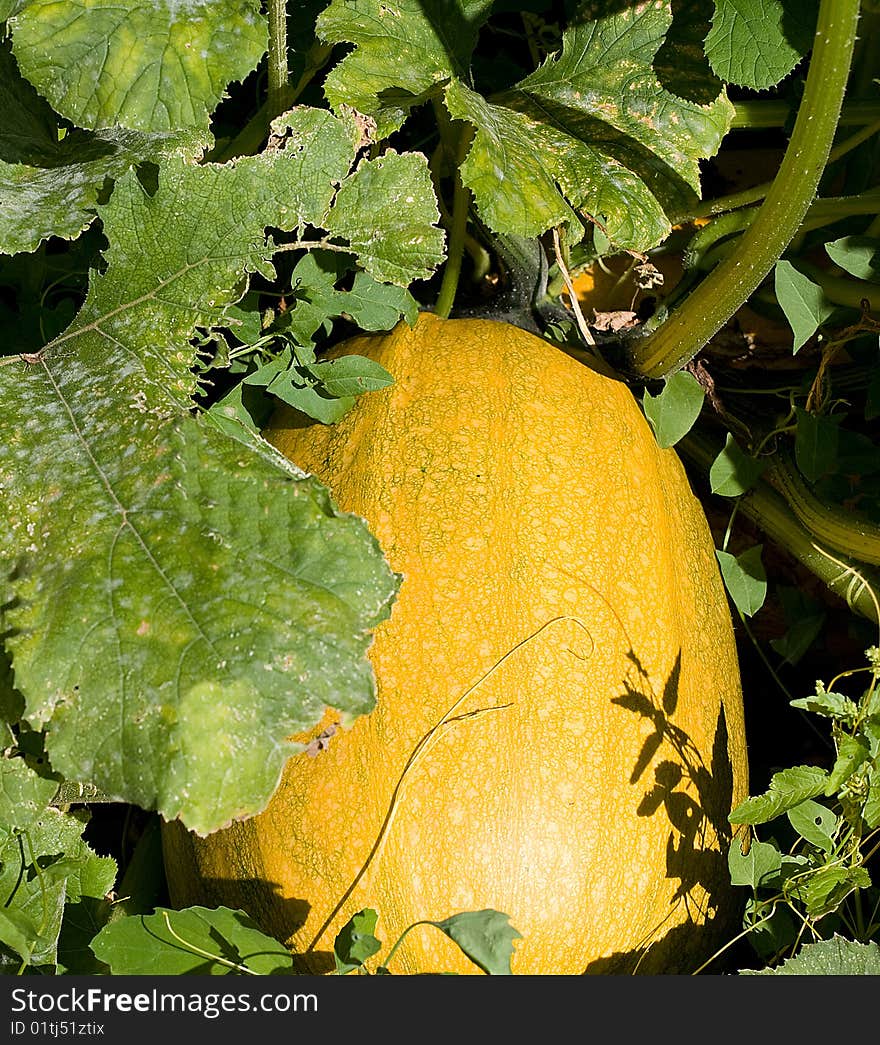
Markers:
277,915
261,899
696,799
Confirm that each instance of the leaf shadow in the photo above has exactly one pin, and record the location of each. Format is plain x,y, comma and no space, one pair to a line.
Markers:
274,913
695,798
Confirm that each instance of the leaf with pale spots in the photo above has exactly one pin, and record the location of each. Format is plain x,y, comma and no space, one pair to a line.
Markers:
23,795
594,117
149,65
590,134
404,50
50,182
387,211
177,604
836,956
178,258
181,604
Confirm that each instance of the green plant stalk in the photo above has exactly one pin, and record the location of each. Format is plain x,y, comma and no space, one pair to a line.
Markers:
858,538
833,208
820,213
729,286
140,889
723,204
253,134
765,115
768,510
457,141
480,257
278,70
843,290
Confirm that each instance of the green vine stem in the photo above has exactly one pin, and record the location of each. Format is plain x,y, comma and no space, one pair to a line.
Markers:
859,538
253,134
769,510
279,73
729,286
480,257
820,213
723,204
765,115
843,290
457,140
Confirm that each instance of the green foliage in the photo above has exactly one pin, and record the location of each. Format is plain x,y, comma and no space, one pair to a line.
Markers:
756,43
733,471
197,941
47,871
804,302
202,636
136,63
835,957
805,619
485,937
673,411
392,193
745,578
587,131
219,942
815,443
177,599
50,179
857,255
823,877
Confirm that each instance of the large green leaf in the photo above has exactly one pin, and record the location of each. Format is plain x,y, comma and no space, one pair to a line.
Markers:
590,134
49,187
150,65
404,49
178,604
198,940
835,957
622,148
190,604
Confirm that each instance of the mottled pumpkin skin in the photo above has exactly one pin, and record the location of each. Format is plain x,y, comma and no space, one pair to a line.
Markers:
549,548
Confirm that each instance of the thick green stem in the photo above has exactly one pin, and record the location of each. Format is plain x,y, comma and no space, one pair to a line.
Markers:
850,579
761,115
457,141
279,74
853,536
729,286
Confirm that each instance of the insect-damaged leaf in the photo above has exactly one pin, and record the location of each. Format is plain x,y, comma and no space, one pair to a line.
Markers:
177,603
592,131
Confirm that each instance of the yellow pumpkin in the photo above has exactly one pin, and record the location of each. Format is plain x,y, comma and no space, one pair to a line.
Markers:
558,732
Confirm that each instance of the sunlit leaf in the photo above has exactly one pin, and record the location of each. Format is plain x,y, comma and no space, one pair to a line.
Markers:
150,65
